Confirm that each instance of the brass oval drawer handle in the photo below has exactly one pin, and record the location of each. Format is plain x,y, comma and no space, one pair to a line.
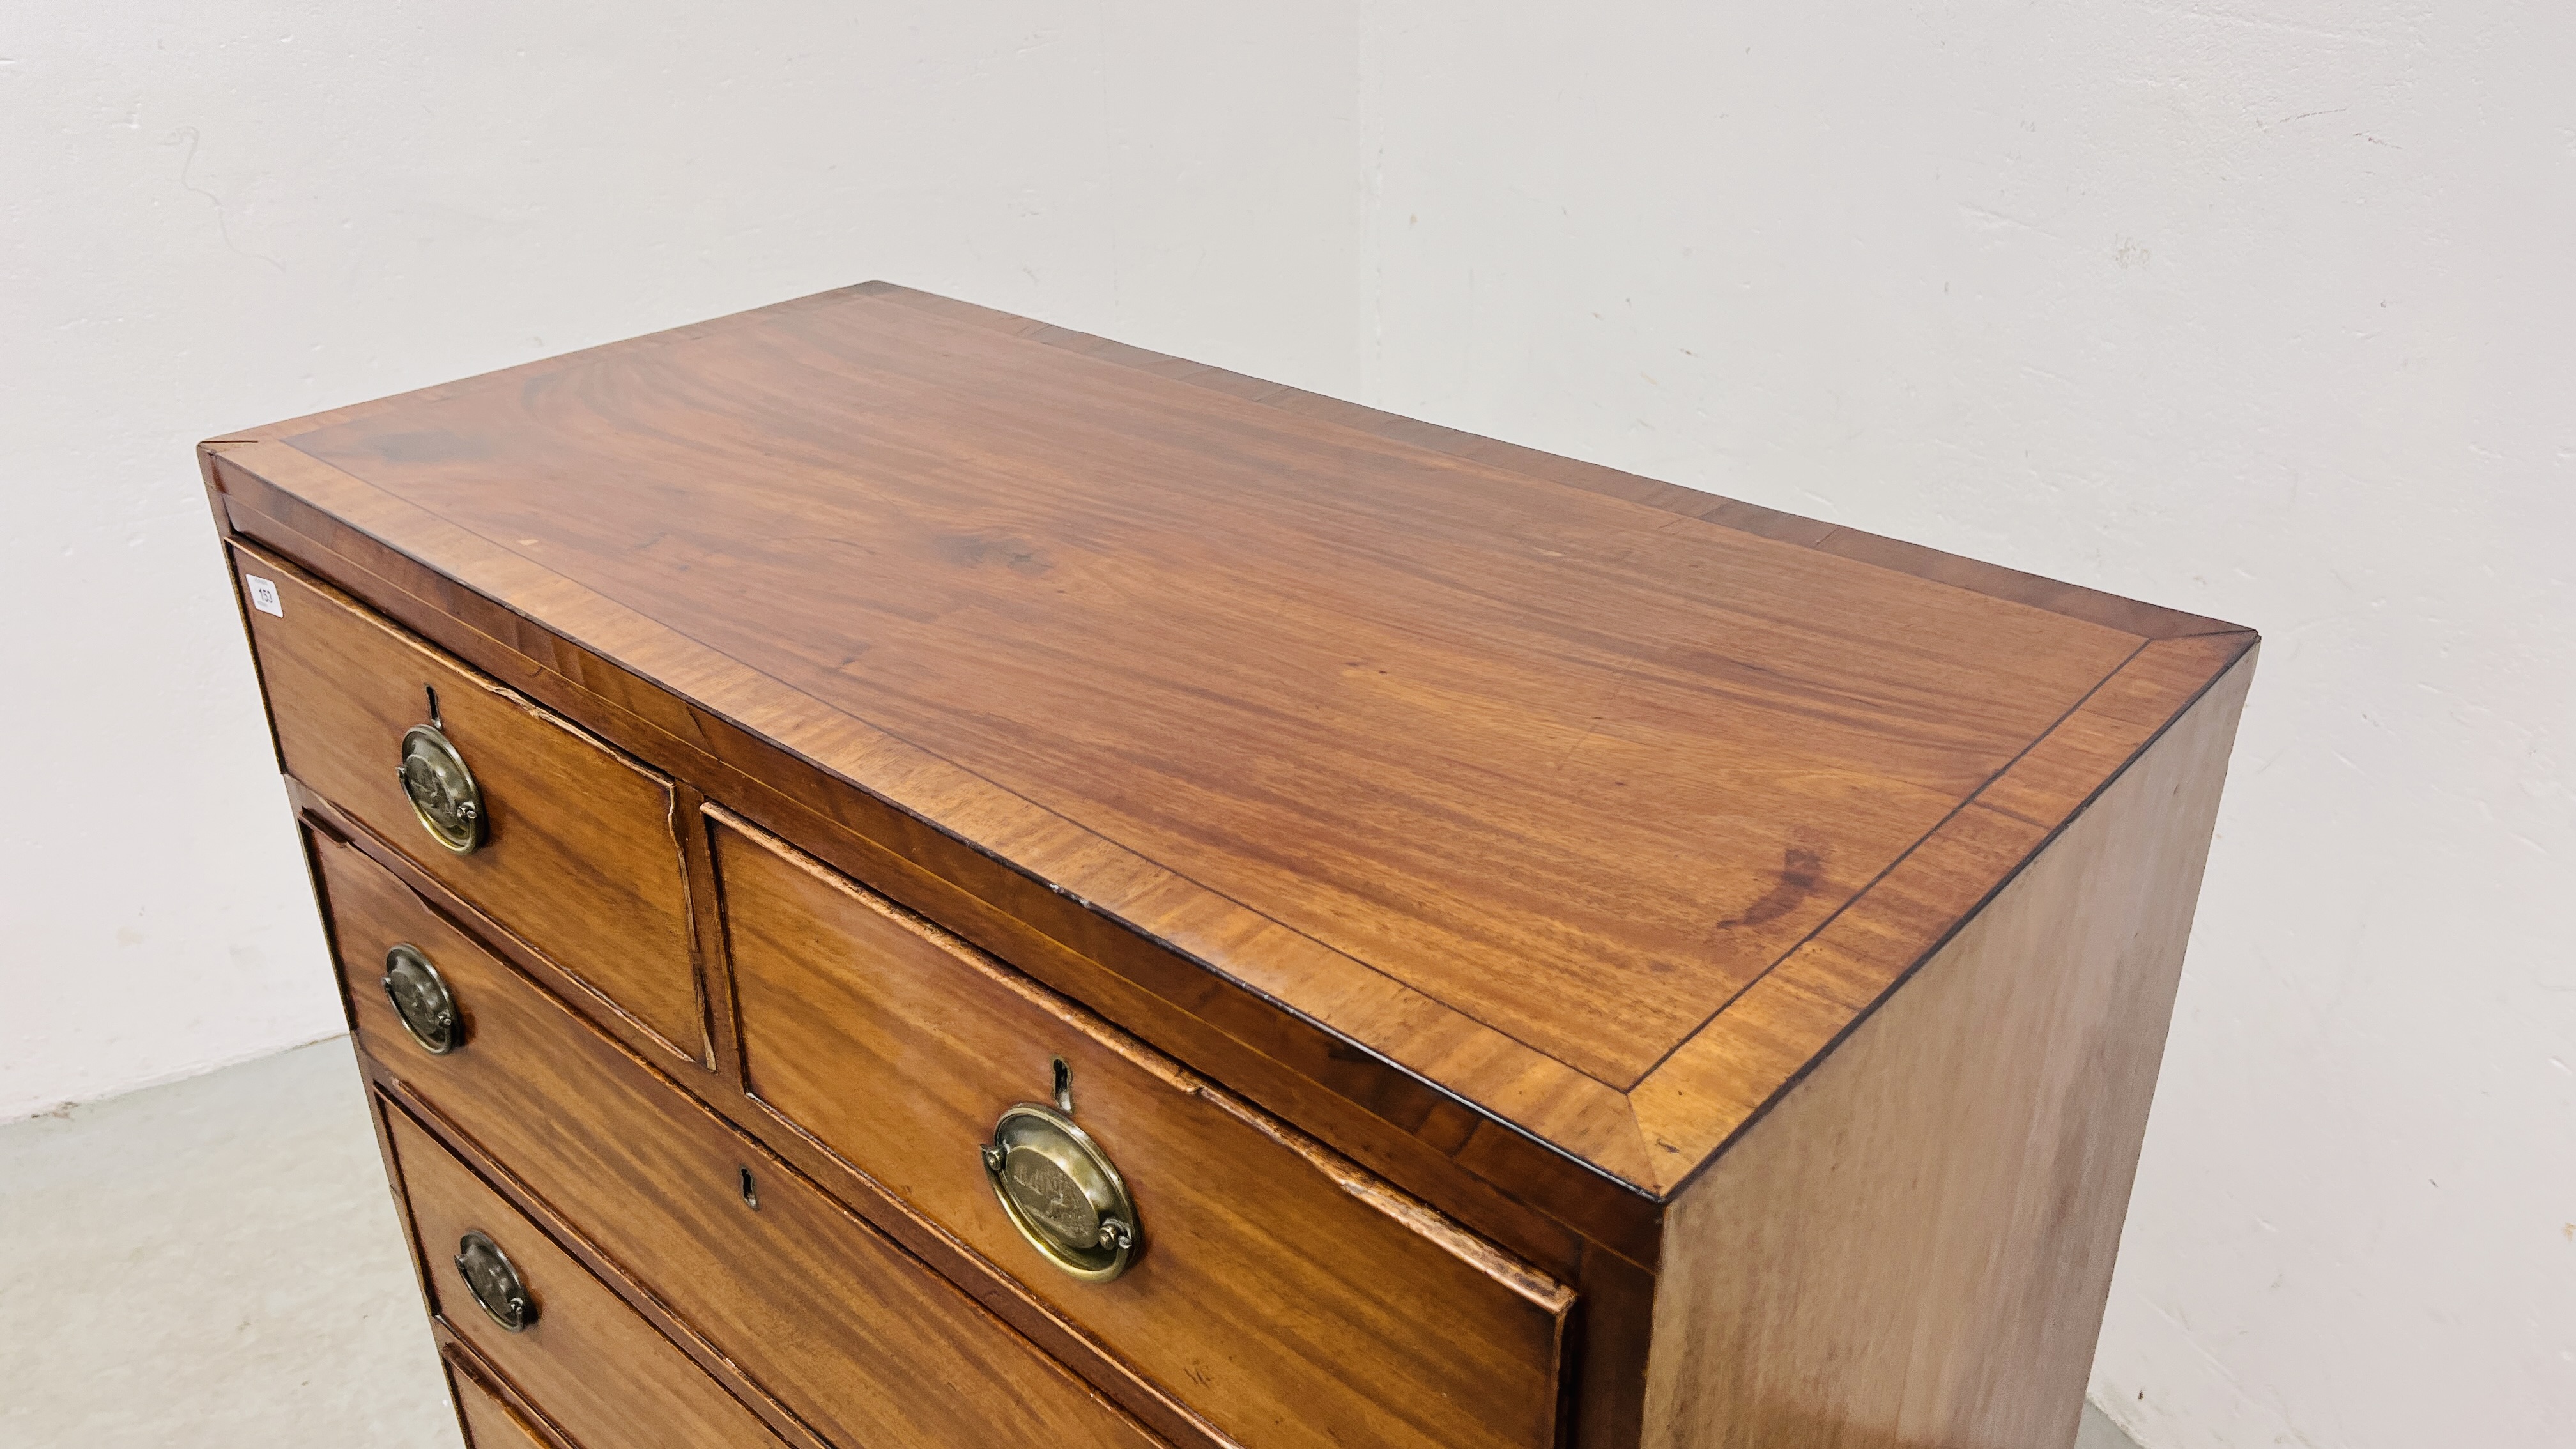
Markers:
421,998
1060,1189
494,1282
443,793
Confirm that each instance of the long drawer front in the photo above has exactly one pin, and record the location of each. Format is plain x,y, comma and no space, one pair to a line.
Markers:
603,1374
815,1307
1287,1295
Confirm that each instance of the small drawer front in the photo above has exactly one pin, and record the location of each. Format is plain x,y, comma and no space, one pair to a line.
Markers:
1282,1292
821,1310
587,1361
489,1423
576,852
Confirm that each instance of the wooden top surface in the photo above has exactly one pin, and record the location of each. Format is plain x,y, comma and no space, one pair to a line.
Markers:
1541,781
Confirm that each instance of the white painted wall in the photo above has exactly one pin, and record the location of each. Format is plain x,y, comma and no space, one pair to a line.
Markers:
2264,309
217,214
2260,308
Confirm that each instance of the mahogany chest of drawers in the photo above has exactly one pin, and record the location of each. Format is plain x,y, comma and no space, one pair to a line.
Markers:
906,877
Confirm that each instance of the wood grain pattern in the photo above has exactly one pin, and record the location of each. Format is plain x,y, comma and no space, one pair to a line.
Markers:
1614,869
1342,891
581,859
1975,575
1572,768
591,1364
812,1306
1721,1080
1914,1245
326,828
2092,605
1287,1296
1526,1185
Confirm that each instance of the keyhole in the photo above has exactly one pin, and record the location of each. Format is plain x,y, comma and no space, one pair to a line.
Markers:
432,691
750,1190
1063,1087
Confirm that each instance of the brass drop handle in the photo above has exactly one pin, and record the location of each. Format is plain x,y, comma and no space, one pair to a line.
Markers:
494,1282
442,790
1060,1189
421,998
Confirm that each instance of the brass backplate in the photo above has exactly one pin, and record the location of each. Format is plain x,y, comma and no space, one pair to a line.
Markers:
1061,1191
443,793
494,1282
421,998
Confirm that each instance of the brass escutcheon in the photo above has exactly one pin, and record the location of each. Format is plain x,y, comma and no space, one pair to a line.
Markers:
443,793
421,998
493,1282
1059,1188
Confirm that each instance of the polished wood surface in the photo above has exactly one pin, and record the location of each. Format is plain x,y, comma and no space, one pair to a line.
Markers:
1514,777
1697,972
1721,1080
1976,575
604,1376
1287,1296
1546,1204
1538,761
580,842
938,1249
1915,1246
1541,1204
816,1309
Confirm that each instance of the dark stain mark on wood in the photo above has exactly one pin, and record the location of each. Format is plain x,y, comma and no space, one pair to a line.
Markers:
1015,553
1802,867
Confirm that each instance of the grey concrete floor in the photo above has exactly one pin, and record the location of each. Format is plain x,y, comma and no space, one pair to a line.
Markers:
216,1263
212,1263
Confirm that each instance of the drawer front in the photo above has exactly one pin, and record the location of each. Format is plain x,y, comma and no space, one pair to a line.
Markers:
578,856
489,1423
588,1362
1283,1293
828,1316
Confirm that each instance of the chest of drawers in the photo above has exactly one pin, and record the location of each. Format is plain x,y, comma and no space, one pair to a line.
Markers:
909,877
